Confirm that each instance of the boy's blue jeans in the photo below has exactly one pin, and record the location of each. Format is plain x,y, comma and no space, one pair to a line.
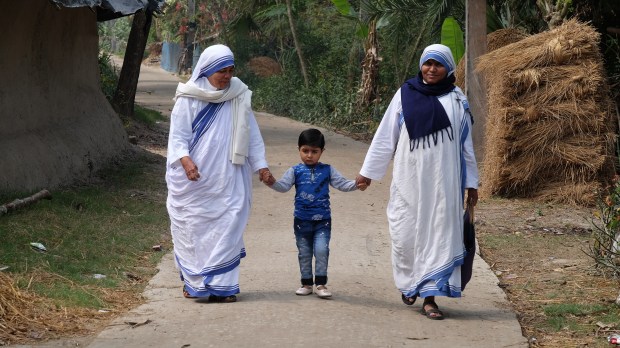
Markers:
313,239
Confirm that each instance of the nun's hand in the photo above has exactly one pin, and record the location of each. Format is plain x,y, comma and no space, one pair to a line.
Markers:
191,170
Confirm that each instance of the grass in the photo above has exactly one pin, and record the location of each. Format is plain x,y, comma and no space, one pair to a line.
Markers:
147,116
108,228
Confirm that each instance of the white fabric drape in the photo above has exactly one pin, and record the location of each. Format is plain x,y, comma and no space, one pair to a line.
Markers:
426,200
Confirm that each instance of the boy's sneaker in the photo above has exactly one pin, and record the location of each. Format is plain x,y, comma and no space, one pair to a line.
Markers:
304,290
322,291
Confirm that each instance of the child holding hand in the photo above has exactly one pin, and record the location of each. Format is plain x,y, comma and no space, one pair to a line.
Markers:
312,215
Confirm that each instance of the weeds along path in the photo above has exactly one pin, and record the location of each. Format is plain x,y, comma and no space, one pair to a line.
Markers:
365,310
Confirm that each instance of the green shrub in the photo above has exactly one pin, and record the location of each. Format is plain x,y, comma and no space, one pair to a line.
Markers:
108,75
605,248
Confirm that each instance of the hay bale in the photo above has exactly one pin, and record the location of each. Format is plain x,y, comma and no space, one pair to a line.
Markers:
264,66
495,40
550,127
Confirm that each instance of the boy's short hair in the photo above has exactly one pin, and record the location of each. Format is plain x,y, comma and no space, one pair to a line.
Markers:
311,137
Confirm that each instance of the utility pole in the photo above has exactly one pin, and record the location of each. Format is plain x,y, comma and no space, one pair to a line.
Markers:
475,87
191,34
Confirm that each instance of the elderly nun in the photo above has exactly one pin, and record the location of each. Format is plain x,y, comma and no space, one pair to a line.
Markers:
214,147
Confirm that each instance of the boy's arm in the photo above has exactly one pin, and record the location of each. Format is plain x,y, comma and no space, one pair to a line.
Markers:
341,183
287,181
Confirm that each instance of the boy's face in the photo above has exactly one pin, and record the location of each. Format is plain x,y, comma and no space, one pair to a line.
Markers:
310,155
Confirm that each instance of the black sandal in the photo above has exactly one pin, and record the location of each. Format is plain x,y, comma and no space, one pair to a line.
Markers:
222,299
433,313
408,300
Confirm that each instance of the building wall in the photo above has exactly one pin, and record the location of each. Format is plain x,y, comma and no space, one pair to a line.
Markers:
56,126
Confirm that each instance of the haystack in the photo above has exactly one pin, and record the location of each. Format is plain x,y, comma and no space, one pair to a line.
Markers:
550,130
495,40
264,66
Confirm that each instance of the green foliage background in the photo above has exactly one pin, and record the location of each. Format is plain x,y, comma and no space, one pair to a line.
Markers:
332,38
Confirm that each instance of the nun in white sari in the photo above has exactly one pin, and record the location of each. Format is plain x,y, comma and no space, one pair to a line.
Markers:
427,131
214,147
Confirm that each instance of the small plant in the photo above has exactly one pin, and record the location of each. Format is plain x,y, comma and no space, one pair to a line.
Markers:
108,75
605,249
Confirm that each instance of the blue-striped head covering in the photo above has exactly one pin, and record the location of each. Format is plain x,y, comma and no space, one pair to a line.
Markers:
425,116
212,59
441,54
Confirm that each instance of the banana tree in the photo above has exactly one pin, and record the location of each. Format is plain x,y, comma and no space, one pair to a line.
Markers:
367,31
408,26
453,37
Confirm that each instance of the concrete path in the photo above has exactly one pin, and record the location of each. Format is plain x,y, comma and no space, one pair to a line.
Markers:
365,310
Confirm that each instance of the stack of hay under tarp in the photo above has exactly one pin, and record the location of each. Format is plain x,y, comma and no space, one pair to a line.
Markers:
495,40
550,130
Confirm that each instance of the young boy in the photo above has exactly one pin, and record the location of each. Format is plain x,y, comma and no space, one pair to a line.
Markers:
312,211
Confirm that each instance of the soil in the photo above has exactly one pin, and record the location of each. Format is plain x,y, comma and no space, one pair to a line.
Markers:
539,253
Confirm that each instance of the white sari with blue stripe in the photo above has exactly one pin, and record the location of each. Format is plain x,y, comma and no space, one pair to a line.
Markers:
208,216
425,211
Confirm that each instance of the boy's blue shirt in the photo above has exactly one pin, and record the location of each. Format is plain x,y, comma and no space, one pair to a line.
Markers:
312,189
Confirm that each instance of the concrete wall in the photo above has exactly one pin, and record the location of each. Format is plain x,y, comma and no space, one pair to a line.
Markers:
56,126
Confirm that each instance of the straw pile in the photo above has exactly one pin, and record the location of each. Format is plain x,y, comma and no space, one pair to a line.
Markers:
495,40
550,130
26,318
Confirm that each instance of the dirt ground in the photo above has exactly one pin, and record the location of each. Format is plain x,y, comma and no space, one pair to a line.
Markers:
537,251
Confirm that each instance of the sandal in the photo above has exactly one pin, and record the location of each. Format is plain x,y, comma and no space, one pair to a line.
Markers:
222,299
409,300
432,313
186,293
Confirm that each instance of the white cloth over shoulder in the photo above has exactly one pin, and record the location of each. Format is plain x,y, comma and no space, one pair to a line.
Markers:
241,98
425,211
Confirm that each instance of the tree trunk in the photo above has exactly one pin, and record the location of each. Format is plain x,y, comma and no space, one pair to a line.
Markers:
297,45
125,94
190,36
370,70
475,86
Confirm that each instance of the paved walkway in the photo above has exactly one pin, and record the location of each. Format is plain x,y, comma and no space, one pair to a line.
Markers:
365,311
